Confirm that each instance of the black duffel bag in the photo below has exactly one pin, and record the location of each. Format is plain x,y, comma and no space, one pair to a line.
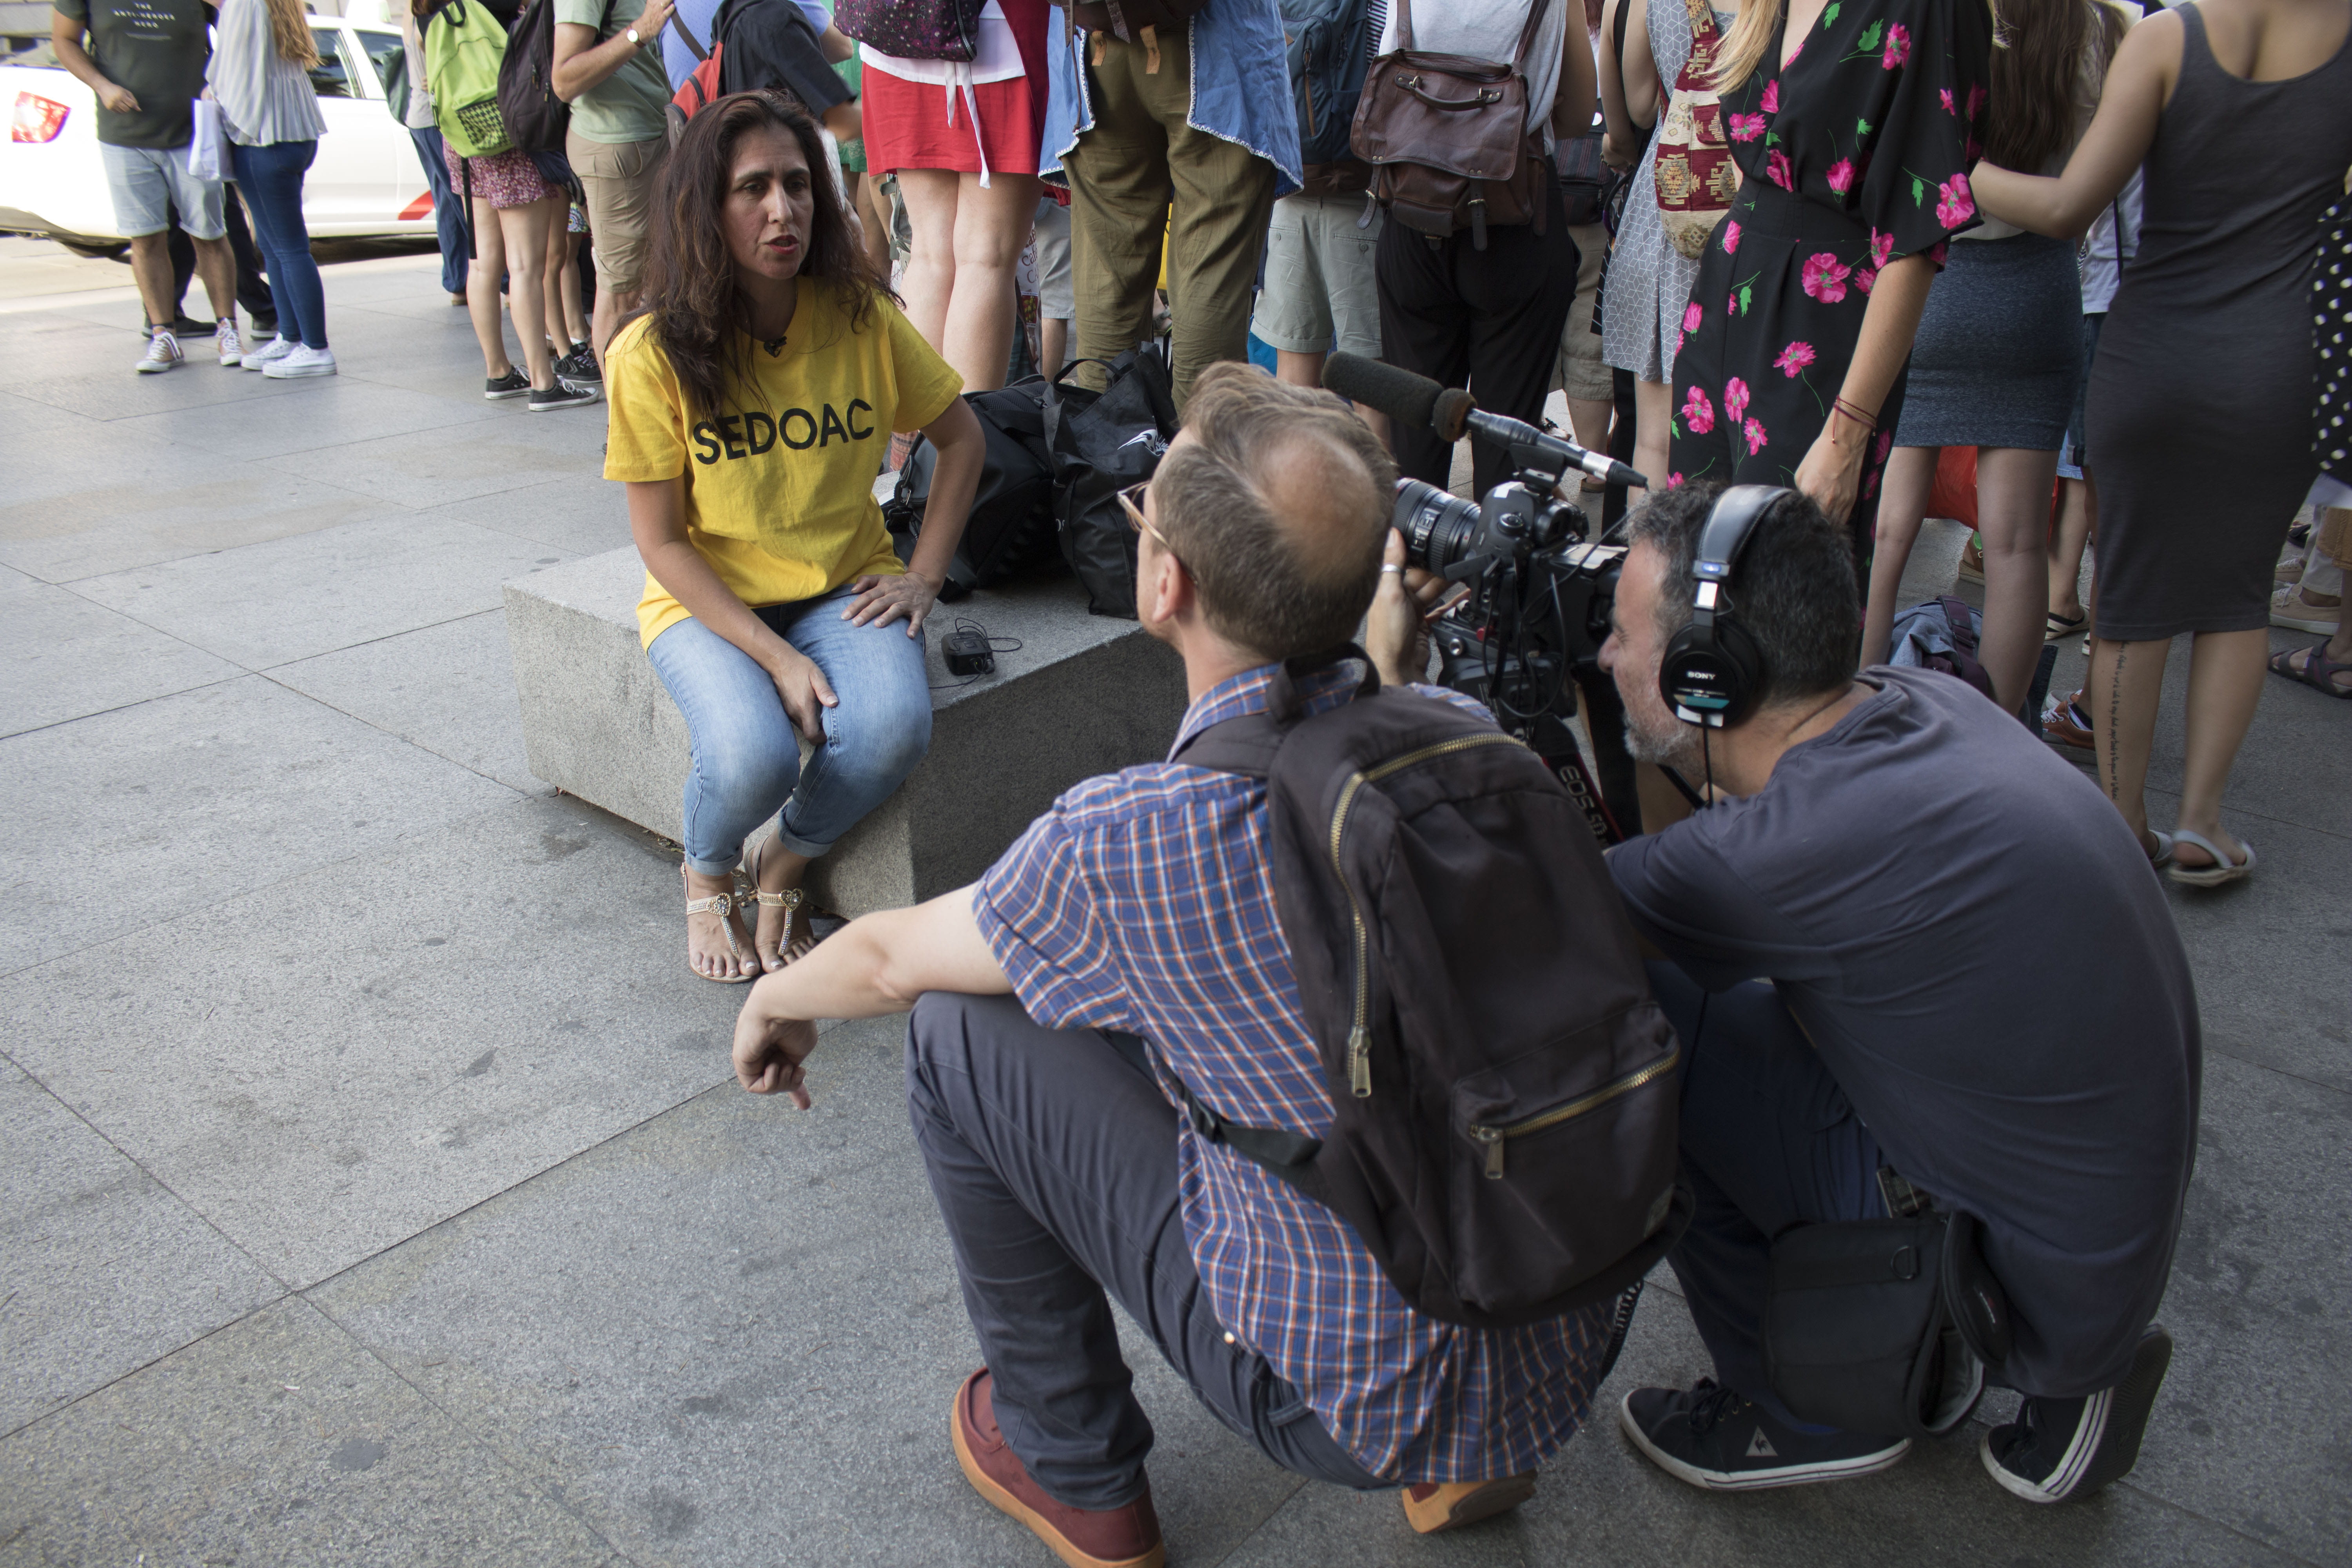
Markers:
1011,528
1101,442
1884,1326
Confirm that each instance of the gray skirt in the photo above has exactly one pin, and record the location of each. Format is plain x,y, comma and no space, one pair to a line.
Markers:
2000,350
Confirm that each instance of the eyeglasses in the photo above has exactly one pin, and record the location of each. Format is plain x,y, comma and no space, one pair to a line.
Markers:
1131,500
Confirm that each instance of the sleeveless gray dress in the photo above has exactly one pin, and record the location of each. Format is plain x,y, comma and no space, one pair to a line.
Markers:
1649,281
2200,400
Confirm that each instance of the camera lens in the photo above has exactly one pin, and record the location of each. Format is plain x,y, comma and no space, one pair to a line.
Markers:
1438,526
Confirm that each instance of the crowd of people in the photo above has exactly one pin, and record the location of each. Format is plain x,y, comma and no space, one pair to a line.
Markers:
1787,258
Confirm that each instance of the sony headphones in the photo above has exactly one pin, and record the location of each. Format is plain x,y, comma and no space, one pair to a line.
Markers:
1713,672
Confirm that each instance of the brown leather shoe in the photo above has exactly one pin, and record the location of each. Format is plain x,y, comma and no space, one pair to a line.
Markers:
1432,1506
1125,1537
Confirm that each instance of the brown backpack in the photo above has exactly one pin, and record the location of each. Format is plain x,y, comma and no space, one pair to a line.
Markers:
1448,139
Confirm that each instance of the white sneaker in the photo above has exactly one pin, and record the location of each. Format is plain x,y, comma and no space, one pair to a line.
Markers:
163,353
301,360
225,345
276,349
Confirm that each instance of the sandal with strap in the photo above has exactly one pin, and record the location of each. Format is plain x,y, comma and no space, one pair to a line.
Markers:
2317,669
2222,870
724,906
791,901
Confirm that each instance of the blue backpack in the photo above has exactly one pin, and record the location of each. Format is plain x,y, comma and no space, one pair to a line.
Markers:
1329,50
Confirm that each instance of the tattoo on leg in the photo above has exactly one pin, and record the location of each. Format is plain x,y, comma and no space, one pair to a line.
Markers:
2115,712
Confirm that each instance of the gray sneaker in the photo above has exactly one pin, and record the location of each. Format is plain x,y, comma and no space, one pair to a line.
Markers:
225,343
163,353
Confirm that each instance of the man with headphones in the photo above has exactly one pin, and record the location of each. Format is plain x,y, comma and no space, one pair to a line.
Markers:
1873,947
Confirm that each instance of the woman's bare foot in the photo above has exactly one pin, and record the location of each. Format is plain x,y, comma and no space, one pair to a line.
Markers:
785,931
716,945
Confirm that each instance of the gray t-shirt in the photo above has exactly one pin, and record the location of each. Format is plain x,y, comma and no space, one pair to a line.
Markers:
1979,949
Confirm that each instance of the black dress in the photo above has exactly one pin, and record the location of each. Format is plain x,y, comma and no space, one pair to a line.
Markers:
2203,389
1854,153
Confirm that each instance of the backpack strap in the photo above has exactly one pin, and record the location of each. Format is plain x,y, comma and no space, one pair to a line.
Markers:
1527,35
1286,1154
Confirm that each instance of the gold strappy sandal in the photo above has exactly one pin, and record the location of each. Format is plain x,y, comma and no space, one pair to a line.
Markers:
790,901
724,906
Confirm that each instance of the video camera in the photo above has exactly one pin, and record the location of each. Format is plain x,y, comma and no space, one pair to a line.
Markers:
1540,588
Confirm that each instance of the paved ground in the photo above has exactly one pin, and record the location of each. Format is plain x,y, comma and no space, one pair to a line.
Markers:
372,1188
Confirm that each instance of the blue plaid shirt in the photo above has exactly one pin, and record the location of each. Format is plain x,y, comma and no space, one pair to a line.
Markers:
1143,902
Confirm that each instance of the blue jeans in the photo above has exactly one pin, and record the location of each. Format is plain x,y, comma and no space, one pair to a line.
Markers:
1769,1141
270,180
747,760
448,208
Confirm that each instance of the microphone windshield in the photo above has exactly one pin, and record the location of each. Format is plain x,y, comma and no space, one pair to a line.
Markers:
1398,394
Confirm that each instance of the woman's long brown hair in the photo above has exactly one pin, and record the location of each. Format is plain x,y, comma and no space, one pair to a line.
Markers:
2039,47
690,290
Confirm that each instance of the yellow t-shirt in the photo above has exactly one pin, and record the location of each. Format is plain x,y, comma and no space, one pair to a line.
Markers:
780,487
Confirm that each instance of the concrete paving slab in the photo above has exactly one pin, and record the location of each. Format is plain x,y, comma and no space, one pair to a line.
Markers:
474,461
126,818
448,689
775,1298
274,1442
334,1061
321,413
2251,1430
62,656
2268,954
23,416
99,383
290,599
584,514
84,501
101,1269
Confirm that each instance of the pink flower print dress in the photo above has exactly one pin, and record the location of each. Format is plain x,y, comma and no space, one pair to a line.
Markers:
1860,156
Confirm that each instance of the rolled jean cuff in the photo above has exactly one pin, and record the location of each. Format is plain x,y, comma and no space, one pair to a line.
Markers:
797,844
706,868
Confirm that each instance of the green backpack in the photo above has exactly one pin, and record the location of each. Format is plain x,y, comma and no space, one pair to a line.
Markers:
463,47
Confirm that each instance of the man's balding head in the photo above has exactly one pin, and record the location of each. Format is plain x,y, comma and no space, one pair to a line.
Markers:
1277,502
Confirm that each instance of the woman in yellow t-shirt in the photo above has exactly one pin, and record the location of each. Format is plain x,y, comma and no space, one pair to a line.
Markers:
751,406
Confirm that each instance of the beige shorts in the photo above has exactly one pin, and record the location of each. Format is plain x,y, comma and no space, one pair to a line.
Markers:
619,178
1581,373
1319,293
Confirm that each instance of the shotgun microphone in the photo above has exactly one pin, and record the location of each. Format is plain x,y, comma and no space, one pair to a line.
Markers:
1450,412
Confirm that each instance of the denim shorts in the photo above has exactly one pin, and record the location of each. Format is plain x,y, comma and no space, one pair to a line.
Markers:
148,183
2072,453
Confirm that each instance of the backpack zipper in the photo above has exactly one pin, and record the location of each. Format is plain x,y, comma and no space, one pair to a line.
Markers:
1359,1035
1494,1138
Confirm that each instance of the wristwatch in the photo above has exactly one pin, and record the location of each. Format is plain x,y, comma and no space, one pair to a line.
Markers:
632,35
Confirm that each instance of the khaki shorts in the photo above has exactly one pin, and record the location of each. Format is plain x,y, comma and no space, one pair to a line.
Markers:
1318,278
618,177
1581,373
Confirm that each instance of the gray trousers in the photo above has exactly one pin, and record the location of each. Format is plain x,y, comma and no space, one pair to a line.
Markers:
1053,1154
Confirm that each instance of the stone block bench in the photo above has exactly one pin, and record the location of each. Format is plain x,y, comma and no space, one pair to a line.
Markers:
1084,694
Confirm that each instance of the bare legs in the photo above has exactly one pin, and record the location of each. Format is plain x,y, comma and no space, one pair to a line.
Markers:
2013,519
2225,682
959,281
1053,346
512,241
1306,370
151,268
567,323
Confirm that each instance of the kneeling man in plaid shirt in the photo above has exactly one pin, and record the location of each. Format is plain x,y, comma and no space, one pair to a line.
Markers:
1140,908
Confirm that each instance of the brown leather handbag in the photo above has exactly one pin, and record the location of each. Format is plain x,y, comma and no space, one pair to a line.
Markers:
1448,139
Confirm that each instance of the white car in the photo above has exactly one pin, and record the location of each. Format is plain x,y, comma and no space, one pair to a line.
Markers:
367,179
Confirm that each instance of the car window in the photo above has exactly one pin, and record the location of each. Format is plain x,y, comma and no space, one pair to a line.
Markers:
25,36
331,77
382,49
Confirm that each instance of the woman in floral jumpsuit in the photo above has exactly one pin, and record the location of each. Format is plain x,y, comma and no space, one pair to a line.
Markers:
1853,133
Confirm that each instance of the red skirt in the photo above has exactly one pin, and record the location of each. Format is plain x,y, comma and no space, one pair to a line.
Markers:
906,122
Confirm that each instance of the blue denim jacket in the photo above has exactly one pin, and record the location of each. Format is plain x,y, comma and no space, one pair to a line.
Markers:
1241,88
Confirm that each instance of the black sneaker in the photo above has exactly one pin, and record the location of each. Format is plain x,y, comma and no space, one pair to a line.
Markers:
1713,1438
499,388
2061,1449
561,395
579,365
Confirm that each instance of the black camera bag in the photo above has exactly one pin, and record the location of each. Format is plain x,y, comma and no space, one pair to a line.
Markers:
1010,530
1503,1086
1884,1326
